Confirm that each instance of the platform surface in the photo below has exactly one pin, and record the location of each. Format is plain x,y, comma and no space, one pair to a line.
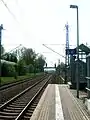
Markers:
58,103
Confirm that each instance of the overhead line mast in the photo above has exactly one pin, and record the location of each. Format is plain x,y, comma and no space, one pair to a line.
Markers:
67,43
67,48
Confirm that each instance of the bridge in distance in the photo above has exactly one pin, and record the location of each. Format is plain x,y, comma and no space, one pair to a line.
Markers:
49,69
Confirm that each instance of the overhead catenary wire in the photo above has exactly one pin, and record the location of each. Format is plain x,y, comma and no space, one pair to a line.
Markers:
12,14
14,17
53,50
13,49
60,44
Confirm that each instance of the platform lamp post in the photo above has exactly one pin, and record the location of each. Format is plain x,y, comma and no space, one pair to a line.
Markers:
76,7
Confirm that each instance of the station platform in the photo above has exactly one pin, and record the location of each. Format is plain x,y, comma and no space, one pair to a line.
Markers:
58,103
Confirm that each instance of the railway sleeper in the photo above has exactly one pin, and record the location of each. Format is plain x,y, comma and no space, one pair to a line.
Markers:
25,97
28,114
22,106
8,113
11,108
19,103
26,118
31,108
7,117
30,111
23,103
8,110
34,104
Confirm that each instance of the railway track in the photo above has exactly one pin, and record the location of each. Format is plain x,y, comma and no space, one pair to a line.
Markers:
2,87
16,107
9,91
14,83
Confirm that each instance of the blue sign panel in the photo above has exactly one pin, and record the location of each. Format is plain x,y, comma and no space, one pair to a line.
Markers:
70,51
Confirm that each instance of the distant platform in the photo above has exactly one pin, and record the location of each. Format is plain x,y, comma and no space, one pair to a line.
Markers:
58,103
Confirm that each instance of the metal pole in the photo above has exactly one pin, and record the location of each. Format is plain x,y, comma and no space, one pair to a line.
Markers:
65,69
1,27
77,65
67,42
77,55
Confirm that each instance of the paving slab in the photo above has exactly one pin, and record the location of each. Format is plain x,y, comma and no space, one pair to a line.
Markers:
46,106
58,103
71,108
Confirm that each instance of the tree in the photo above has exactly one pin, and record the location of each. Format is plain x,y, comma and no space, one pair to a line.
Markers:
2,50
8,70
32,62
28,55
60,69
21,67
10,57
31,68
39,63
62,65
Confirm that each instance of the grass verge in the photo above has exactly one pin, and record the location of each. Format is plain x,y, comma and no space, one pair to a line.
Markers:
7,80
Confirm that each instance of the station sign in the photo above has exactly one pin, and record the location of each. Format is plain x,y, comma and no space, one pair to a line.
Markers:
70,51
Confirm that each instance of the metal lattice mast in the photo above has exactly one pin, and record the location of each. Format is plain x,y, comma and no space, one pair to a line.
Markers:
66,55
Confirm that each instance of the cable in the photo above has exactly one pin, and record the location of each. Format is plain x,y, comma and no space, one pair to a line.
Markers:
9,10
53,50
12,50
60,44
14,17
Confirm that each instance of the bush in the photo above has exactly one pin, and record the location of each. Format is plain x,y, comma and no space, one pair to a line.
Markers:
8,70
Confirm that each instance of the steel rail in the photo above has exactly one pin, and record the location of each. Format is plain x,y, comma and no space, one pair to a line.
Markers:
18,95
14,83
12,108
30,102
5,86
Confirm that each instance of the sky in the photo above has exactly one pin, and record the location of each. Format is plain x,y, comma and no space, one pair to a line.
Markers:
37,22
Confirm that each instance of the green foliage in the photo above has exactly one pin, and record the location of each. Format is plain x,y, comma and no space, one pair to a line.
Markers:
33,63
6,80
2,49
28,62
10,57
21,68
8,70
31,68
28,55
60,68
39,63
